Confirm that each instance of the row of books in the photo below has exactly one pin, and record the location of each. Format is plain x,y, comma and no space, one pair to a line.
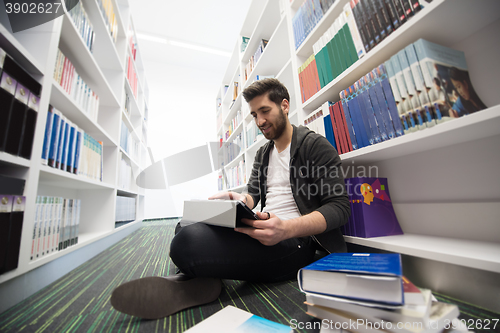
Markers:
125,175
236,175
56,225
11,226
377,19
306,18
128,143
132,76
125,209
67,77
431,84
82,23
69,148
19,105
108,12
234,123
372,213
252,134
338,48
255,58
368,292
361,26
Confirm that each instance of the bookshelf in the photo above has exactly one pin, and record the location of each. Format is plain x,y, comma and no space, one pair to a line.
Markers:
104,70
442,179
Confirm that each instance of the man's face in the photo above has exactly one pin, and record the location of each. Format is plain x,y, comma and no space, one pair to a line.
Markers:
270,118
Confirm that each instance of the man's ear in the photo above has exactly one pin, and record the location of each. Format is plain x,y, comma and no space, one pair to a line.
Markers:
285,105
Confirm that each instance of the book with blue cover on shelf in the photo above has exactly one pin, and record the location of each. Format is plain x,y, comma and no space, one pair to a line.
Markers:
370,277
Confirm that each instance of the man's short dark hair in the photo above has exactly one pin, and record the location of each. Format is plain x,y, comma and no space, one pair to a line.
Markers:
274,88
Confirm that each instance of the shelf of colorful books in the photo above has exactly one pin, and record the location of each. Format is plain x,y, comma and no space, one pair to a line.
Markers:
473,254
59,178
425,24
475,126
17,51
275,55
264,29
12,160
234,162
235,132
105,51
60,100
306,47
73,47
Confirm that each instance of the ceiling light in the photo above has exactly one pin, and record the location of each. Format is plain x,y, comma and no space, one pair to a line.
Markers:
185,45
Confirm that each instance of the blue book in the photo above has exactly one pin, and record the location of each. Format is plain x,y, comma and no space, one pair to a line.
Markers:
352,133
47,136
62,132
54,140
390,100
71,148
377,93
382,119
366,112
78,149
64,153
329,131
359,126
369,277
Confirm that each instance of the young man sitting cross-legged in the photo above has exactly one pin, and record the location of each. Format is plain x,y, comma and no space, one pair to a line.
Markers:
296,178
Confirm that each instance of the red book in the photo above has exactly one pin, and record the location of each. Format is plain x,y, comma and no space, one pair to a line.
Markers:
335,130
342,115
340,128
316,75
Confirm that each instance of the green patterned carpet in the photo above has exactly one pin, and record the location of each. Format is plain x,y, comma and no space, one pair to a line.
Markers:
79,301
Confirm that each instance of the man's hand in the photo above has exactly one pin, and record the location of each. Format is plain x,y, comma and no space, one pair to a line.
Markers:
269,230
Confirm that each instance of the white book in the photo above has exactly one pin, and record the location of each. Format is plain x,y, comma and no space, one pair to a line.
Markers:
234,320
36,224
224,213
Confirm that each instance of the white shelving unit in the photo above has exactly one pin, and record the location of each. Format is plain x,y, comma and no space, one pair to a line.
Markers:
443,180
104,71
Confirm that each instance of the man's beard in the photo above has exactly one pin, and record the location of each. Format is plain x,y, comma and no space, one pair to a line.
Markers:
280,127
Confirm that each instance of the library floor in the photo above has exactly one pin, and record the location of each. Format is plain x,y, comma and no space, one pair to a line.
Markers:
79,301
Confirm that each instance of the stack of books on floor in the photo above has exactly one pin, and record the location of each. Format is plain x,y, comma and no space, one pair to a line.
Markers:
362,292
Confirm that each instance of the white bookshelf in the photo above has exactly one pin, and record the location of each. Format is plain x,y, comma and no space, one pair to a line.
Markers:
104,71
443,180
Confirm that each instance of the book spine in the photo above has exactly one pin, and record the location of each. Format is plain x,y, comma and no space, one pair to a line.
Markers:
350,127
47,136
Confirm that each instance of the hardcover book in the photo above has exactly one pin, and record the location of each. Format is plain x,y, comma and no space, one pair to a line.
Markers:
223,213
372,277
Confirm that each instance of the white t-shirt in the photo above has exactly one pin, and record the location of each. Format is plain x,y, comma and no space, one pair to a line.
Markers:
279,198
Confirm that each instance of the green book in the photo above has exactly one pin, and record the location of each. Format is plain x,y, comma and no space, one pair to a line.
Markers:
330,63
344,51
350,44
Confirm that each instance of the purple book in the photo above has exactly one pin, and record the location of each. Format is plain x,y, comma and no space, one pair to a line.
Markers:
372,208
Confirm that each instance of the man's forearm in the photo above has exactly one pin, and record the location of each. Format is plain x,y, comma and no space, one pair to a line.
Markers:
307,225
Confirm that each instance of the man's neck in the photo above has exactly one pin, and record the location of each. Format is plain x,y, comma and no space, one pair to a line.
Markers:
285,139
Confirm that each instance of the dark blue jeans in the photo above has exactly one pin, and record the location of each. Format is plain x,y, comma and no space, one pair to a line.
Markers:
210,251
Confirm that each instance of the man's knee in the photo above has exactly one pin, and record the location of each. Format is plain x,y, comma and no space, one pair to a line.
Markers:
185,243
